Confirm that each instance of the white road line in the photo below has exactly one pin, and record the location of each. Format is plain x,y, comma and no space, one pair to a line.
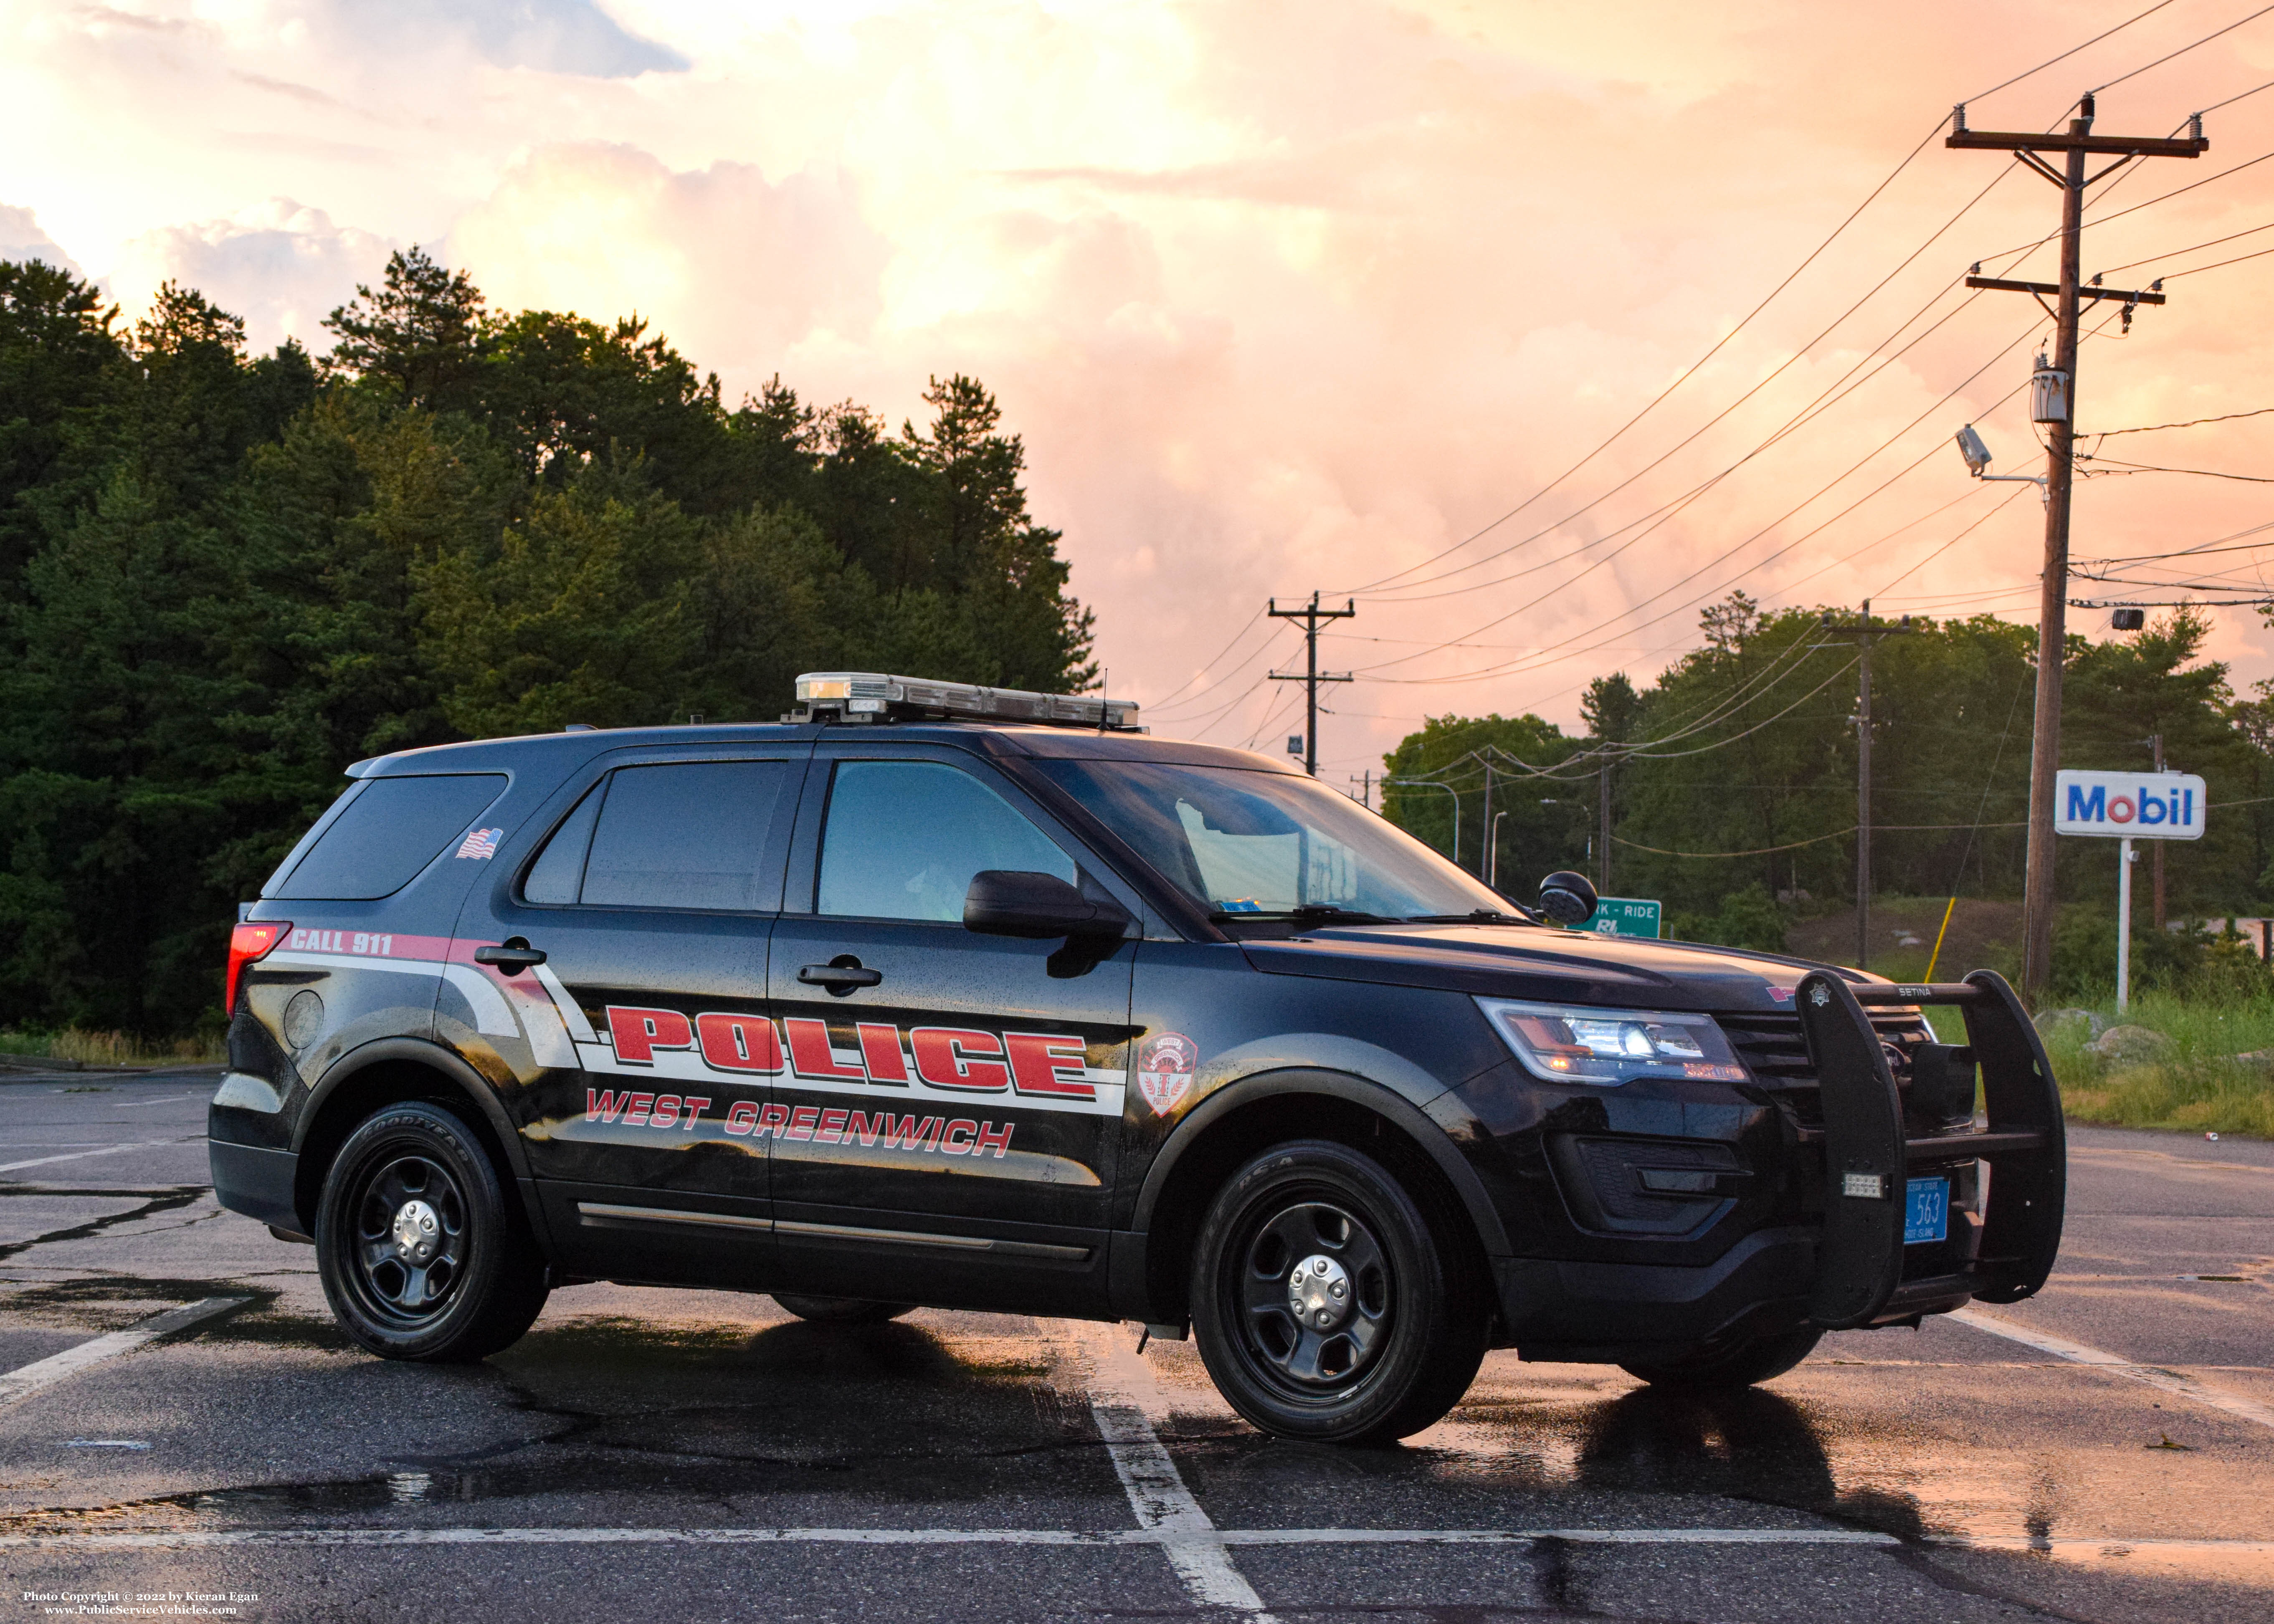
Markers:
29,1379
110,1150
2154,1376
1123,1390
1168,1538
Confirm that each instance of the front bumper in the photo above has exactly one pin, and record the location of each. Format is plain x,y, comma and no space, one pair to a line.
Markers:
1853,1268
1575,1312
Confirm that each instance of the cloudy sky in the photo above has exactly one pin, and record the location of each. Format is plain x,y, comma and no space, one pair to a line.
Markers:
1284,297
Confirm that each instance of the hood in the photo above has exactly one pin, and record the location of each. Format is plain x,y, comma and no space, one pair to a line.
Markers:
1554,967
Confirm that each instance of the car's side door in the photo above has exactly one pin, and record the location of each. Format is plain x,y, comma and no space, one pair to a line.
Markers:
651,902
949,1108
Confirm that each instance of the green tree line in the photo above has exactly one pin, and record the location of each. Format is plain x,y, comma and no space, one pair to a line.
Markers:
1732,777
225,576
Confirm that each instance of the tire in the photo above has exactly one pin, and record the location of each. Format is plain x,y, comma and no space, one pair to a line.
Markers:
841,1309
1395,1355
1727,1370
421,1254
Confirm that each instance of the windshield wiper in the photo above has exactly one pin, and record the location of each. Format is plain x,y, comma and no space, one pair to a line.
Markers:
1478,916
1309,911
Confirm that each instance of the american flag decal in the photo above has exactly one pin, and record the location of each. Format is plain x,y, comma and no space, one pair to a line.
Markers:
481,843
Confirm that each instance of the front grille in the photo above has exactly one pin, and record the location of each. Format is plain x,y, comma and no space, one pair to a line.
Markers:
1776,1054
1774,1051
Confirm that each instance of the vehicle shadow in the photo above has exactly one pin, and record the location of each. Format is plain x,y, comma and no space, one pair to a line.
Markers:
1751,1445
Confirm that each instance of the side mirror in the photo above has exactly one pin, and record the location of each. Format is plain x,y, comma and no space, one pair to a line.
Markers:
1568,899
1015,902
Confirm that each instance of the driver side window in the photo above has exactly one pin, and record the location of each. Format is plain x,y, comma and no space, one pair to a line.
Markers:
903,839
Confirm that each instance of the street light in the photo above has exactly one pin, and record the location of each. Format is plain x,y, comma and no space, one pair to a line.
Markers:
1492,858
1449,790
1977,462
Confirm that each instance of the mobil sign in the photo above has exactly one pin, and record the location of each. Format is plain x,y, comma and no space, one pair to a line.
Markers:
2135,806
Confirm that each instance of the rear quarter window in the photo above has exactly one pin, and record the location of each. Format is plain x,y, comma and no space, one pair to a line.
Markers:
386,832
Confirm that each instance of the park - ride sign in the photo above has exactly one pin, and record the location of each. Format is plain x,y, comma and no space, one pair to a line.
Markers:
2131,806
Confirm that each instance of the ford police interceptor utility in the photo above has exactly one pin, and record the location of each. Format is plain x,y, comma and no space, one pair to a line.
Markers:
956,996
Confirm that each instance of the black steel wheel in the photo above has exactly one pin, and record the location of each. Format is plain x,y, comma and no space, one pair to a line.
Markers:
420,1254
1725,1370
1326,1306
841,1309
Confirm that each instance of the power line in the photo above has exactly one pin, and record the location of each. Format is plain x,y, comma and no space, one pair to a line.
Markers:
2071,51
1814,410
2231,101
2152,428
1916,463
2183,50
2150,468
1793,359
2176,252
2197,270
2212,546
1170,698
1507,666
1685,375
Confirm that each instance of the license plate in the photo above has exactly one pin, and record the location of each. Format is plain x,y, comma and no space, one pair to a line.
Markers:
1926,1210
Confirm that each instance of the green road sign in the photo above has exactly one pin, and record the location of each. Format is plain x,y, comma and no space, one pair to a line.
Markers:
1625,916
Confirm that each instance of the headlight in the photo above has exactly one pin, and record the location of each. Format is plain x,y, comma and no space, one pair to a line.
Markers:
1607,1047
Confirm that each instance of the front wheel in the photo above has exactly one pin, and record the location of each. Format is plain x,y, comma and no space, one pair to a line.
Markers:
1728,1369
1325,1306
420,1255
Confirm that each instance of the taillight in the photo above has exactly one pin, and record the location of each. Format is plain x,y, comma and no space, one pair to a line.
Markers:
247,944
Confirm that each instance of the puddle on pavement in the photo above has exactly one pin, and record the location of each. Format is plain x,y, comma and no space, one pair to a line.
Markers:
724,1420
702,1414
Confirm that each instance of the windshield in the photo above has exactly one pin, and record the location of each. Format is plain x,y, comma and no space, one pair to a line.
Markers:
1239,841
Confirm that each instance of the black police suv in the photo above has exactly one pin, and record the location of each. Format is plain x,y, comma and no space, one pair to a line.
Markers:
961,997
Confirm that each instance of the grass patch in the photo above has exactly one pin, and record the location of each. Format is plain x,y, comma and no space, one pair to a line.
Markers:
110,1049
2200,1086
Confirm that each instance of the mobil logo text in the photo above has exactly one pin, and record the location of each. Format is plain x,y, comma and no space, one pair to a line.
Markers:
2135,805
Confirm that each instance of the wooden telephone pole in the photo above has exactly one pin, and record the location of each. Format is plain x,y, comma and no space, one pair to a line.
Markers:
1311,676
1865,633
2075,143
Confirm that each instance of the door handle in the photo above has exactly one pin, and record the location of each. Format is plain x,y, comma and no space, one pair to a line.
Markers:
513,956
840,976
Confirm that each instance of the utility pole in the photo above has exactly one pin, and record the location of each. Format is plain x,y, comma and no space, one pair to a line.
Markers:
2075,143
1603,849
2155,743
1864,633
1484,858
1311,676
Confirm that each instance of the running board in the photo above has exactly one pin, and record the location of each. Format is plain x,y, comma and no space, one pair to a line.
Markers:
601,1215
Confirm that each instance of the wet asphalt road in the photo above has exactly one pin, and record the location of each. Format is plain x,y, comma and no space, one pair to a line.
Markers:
691,1454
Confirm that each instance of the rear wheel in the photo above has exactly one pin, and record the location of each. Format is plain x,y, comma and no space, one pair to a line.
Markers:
1325,1306
1727,1369
420,1254
841,1309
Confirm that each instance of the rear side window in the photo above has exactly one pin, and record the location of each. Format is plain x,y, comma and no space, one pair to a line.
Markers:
677,835
391,830
904,838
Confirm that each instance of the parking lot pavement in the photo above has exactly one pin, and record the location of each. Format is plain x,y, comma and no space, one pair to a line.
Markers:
2090,1455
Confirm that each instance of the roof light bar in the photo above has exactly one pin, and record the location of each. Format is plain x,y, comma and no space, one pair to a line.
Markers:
874,696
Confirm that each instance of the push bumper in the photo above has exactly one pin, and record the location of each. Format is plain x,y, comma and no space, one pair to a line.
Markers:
2012,1237
257,1182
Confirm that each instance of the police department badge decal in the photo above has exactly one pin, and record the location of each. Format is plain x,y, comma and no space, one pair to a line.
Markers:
1166,1064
